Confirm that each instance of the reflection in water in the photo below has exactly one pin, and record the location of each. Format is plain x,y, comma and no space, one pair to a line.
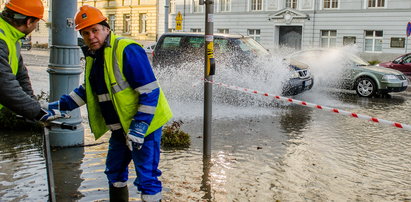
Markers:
22,167
206,181
295,119
66,166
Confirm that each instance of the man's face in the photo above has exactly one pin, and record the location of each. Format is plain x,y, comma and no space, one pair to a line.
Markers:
94,36
30,25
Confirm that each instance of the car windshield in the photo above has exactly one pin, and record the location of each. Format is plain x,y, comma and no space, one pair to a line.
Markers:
250,45
343,55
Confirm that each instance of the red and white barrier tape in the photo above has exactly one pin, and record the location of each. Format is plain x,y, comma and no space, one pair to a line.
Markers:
307,104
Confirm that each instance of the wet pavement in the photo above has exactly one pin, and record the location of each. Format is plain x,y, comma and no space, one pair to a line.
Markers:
260,152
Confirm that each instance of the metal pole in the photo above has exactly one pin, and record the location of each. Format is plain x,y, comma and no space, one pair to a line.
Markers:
406,44
166,9
64,68
208,75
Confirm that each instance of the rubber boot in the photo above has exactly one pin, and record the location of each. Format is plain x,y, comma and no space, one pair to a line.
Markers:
118,194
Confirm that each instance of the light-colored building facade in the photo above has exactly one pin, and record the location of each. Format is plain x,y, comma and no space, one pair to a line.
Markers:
136,19
41,33
377,27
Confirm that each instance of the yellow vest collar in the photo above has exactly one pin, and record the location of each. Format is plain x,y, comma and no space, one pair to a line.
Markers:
11,32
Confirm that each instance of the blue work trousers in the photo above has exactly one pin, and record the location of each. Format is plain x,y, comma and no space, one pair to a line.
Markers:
145,160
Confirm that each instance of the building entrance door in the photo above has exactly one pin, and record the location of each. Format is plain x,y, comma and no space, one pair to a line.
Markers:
290,36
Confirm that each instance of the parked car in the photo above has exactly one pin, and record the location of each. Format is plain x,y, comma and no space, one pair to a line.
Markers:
25,43
357,74
239,52
401,63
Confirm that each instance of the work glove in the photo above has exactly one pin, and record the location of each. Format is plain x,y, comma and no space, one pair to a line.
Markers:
50,115
136,133
50,105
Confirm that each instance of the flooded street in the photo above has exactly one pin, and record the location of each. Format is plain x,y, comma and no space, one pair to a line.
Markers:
263,150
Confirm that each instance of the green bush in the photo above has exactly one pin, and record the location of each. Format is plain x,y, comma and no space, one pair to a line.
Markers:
174,137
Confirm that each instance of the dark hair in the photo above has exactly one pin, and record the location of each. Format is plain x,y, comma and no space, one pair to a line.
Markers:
15,18
104,23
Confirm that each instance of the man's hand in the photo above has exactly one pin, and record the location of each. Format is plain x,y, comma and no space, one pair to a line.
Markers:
50,115
136,133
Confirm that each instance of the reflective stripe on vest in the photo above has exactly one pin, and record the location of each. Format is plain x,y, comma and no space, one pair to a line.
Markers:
123,97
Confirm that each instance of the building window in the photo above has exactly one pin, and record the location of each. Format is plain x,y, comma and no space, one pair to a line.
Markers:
349,40
256,5
330,3
373,41
291,4
225,5
112,21
143,23
328,38
196,8
376,3
127,23
125,2
397,42
255,34
223,31
172,6
195,30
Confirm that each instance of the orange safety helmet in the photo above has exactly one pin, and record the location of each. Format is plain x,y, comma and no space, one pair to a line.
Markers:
32,8
88,16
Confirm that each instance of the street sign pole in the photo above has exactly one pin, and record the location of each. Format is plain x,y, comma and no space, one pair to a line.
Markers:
209,69
408,33
166,13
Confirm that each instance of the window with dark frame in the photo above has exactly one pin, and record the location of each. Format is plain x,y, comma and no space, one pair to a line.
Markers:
255,34
376,3
349,40
330,3
223,31
373,40
328,38
397,42
127,23
291,4
142,23
225,5
112,21
256,5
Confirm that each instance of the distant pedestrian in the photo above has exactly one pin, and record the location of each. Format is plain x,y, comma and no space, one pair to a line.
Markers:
124,96
18,19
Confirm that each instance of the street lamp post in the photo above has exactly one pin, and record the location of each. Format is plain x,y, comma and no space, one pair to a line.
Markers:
64,69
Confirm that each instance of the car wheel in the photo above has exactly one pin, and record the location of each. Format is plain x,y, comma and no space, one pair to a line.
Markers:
28,48
365,87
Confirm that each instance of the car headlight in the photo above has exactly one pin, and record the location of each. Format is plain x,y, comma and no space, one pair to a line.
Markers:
294,75
389,77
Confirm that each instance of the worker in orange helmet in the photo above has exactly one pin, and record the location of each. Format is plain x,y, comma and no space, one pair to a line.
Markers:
122,95
18,19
